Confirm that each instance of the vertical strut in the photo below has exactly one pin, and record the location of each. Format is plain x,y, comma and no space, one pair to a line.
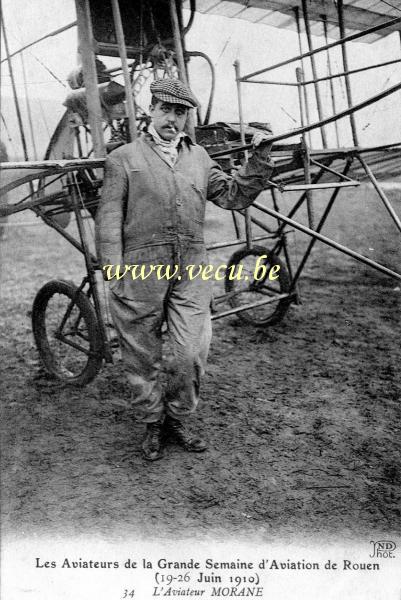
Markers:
314,71
28,108
305,152
304,88
86,47
330,72
178,42
248,222
179,52
340,9
122,50
16,101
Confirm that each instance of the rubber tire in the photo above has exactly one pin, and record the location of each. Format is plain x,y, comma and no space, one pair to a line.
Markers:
284,281
88,314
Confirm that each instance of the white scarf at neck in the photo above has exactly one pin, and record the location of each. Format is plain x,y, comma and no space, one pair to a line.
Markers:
168,147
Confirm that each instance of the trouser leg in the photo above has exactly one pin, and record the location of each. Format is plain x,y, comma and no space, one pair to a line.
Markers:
189,324
137,311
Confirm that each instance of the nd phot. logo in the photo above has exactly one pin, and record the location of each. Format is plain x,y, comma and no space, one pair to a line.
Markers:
383,549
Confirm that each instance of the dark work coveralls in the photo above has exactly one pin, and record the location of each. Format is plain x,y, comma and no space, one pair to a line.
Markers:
152,213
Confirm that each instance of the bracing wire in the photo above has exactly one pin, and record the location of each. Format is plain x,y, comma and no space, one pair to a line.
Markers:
391,5
376,106
10,139
41,63
48,70
42,112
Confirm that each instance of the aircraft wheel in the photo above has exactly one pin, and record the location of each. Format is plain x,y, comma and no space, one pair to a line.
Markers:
66,333
248,284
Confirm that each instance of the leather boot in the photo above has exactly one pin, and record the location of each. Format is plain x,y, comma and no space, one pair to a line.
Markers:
152,445
177,432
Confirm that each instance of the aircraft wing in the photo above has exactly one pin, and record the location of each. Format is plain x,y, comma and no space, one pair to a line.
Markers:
358,14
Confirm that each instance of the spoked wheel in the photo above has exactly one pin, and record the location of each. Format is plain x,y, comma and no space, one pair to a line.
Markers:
66,333
246,285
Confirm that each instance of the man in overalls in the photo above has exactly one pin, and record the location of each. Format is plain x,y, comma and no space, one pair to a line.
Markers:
152,213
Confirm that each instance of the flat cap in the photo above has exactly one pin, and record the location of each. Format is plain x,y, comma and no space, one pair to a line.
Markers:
173,91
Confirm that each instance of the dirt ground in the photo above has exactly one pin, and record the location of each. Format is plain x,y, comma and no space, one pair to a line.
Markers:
303,418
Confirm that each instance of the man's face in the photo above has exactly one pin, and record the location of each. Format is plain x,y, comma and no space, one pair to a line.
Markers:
168,119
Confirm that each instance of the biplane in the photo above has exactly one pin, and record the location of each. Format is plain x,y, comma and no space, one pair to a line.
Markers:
148,38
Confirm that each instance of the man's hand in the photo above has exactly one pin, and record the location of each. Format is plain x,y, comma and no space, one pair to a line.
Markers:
261,138
262,146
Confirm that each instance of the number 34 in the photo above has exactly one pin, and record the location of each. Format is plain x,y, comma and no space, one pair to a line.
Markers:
128,594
